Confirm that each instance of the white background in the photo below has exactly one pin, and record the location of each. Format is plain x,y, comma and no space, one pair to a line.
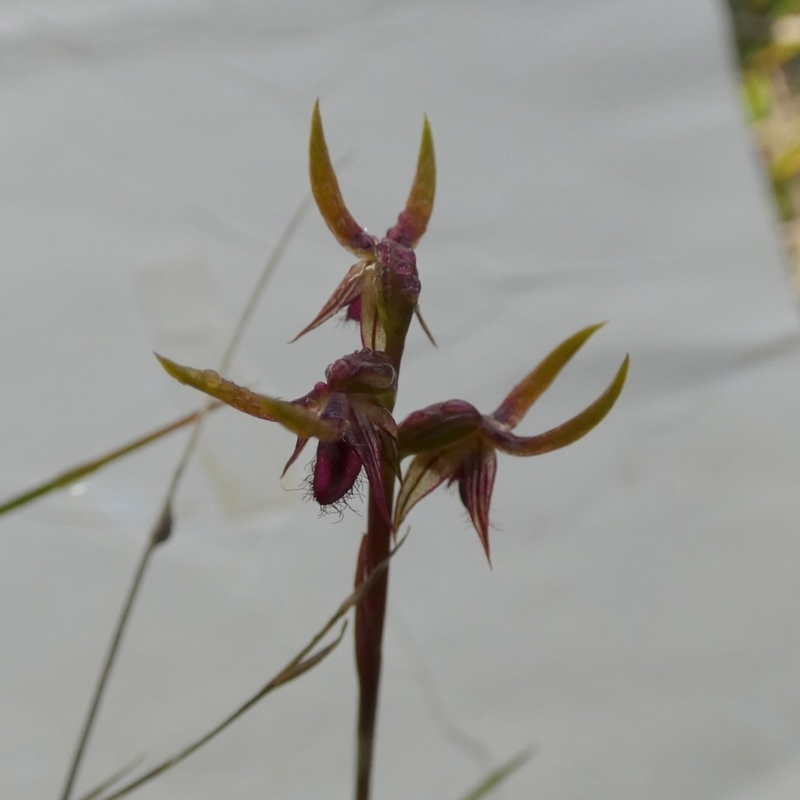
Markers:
640,625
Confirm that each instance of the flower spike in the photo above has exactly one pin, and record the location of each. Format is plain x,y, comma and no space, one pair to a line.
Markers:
453,442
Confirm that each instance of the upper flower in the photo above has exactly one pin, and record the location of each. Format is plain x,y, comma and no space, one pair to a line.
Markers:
454,442
345,413
382,289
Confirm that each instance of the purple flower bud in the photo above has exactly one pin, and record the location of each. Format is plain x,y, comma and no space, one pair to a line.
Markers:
398,270
364,371
438,425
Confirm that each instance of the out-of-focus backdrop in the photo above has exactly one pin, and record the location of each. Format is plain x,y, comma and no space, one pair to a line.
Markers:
767,37
641,623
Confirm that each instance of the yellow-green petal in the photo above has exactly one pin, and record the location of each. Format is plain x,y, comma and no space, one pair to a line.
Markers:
299,420
533,385
565,434
413,220
325,188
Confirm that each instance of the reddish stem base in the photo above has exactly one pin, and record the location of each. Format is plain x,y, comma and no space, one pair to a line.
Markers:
370,614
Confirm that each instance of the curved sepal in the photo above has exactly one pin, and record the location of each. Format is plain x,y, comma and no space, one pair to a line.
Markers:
424,325
325,188
531,387
565,434
301,421
425,472
345,293
413,220
302,441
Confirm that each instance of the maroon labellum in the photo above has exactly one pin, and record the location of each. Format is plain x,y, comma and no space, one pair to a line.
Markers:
336,468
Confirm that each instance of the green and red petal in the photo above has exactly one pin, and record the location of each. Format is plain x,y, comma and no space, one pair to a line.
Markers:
413,220
346,294
562,435
531,387
325,188
475,477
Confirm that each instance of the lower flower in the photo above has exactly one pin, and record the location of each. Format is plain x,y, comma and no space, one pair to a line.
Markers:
452,442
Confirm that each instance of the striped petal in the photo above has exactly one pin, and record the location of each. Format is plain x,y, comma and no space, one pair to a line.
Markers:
425,472
365,439
475,484
346,293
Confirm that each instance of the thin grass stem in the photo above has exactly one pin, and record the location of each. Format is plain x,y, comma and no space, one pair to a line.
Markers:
112,779
70,476
162,528
300,664
497,776
108,663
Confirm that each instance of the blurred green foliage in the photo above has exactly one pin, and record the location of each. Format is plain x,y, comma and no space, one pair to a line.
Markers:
766,34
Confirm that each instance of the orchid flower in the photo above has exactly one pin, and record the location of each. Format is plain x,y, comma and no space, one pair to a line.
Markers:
452,441
344,413
387,266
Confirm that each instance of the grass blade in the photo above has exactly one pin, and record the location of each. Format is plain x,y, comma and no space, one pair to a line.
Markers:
112,779
495,778
69,476
299,665
162,527
289,673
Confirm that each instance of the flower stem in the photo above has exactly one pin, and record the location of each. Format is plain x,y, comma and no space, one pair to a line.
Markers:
370,614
